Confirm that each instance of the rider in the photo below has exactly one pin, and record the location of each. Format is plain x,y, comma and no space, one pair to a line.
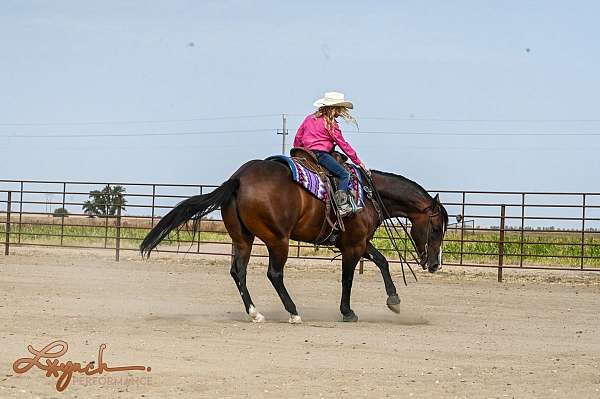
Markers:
320,133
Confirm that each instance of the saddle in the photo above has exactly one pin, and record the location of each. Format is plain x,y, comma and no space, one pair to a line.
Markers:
308,159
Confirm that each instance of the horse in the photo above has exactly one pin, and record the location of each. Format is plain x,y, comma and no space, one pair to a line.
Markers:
260,200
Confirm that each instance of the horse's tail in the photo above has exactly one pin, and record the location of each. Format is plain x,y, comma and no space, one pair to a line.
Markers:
192,208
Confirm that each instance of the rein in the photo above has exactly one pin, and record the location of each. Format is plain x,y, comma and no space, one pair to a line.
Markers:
384,215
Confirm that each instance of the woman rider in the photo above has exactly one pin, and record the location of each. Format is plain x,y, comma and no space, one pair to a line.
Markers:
320,133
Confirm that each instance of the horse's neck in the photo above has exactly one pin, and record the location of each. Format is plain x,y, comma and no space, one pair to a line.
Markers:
401,197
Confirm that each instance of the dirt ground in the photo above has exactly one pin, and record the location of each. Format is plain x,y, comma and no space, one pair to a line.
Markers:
460,333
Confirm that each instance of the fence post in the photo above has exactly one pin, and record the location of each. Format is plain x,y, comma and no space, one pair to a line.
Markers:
106,210
501,243
118,233
522,227
582,230
7,231
361,266
405,239
200,226
153,199
462,227
62,216
20,214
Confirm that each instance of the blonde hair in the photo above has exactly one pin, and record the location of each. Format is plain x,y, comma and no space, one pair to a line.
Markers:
331,112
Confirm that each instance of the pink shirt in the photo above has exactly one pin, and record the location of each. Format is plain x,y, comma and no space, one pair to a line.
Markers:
313,134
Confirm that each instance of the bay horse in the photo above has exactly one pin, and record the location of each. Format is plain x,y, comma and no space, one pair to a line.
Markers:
261,200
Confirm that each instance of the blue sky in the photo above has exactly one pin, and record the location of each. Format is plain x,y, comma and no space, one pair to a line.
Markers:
461,101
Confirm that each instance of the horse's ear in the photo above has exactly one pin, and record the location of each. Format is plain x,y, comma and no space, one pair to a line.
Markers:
436,202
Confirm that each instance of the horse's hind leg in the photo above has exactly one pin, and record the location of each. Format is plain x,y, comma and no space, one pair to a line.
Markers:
242,241
278,254
241,256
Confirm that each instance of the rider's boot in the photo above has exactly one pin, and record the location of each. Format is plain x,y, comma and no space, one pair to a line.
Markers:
342,201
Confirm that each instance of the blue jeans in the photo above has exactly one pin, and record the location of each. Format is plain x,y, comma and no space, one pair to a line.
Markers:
328,162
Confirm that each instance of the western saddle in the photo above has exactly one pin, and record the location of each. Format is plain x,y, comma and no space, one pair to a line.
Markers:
308,159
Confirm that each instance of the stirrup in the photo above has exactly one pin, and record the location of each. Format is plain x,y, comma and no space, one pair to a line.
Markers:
355,207
345,211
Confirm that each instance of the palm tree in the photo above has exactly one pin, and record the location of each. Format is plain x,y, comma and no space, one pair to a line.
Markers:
105,202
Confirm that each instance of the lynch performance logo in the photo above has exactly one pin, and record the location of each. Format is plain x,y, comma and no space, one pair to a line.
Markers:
63,371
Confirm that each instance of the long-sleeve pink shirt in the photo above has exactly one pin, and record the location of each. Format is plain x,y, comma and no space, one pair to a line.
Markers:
314,135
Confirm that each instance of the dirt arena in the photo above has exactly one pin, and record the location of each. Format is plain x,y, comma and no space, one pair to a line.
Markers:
460,334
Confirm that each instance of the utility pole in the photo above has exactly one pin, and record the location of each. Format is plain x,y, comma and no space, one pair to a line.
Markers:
283,133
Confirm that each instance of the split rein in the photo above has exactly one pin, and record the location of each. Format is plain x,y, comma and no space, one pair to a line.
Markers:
391,229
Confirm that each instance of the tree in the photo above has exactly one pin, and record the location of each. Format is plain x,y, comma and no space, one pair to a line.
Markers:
105,202
58,212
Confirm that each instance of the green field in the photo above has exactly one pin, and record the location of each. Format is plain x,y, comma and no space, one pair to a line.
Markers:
479,247
558,249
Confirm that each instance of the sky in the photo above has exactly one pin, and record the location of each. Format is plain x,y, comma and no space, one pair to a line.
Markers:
463,95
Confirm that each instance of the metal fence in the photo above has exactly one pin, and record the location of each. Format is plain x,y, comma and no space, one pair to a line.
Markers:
528,230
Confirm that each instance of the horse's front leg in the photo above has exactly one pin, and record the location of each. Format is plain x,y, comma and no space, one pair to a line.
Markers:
393,301
350,257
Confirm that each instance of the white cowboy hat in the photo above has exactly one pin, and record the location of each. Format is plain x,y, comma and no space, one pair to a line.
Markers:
332,98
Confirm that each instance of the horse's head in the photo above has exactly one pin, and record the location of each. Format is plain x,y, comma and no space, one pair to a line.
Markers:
428,229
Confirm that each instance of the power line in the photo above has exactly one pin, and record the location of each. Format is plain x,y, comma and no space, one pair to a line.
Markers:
483,120
137,134
267,130
459,120
535,133
494,149
256,116
132,122
401,149
144,147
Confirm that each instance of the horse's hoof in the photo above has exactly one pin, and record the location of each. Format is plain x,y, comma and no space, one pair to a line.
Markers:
255,315
259,318
393,302
295,319
350,317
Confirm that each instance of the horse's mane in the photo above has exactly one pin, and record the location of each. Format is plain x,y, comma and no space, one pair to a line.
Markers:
406,181
414,185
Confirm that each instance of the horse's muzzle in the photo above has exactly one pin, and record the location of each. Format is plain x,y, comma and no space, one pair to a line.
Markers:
433,268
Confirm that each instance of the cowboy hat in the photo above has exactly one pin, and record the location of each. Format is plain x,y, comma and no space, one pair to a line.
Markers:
332,98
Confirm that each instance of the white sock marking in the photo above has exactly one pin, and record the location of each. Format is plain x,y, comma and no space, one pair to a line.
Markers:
256,316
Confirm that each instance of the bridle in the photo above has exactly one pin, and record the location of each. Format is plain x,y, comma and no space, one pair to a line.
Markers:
383,215
424,255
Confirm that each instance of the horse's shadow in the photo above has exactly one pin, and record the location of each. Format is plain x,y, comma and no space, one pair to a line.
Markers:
316,317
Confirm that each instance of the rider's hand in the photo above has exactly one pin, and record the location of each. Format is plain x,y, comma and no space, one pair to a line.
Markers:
364,168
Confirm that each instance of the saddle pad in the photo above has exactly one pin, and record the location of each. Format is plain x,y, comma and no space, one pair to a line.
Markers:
312,182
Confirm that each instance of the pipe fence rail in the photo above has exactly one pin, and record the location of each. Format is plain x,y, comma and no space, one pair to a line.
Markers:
507,229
